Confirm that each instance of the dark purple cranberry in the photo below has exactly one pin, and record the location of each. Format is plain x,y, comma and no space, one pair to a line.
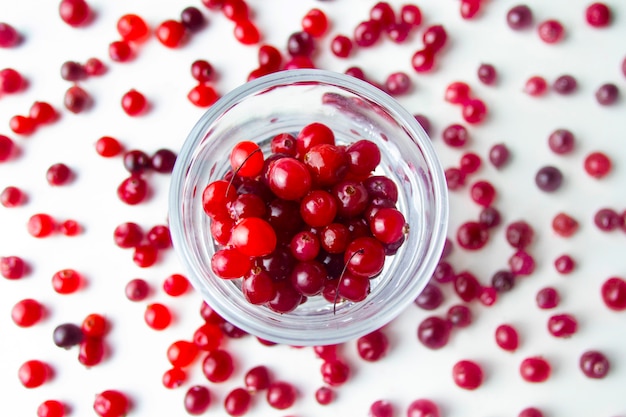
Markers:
519,234
489,217
607,219
499,155
503,280
519,17
73,71
549,178
163,161
192,19
300,44
565,84
561,141
67,335
430,298
594,364
136,161
607,94
433,332
444,272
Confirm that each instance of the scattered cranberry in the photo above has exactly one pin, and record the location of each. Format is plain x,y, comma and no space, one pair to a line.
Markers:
594,364
9,37
51,408
564,225
12,197
607,94
613,293
507,337
324,395
373,346
73,71
398,83
499,155
565,84
482,193
551,31
59,174
430,298
315,22
237,402
94,325
607,220
467,374
192,19
67,335
433,332
12,267
246,32
562,325
381,408
598,15
281,395
341,46
41,225
197,400
564,264
11,81
171,33
547,298
535,369
108,147
597,165
549,178
175,285
137,289
134,103
472,235
455,135
74,12
536,86
487,74
530,412
519,17
77,100
33,373
503,281
521,263
133,190
257,379
22,125
121,51
67,281
217,365
157,316
94,66
8,149
27,312
459,315
561,141
421,408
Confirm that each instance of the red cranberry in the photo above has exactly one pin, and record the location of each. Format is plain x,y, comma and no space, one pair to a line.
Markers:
58,174
519,234
324,395
434,38
174,378
373,346
12,197
507,337
335,372
120,51
459,316
483,193
315,23
9,37
257,379
597,164
74,12
12,267
398,83
472,235
73,71
424,122
367,33
457,92
430,298
51,408
246,32
535,369
108,147
503,281
157,316
77,100
536,86
474,111
132,28
237,402
551,31
564,225
455,178
455,135
341,46
133,190
613,292
197,400
11,81
41,225
300,44
561,141
33,373
218,366
607,220
171,33
530,412
134,103
594,364
598,15
467,374
94,66
521,263
466,286
421,408
547,298
111,403
433,332
27,312
562,325
564,264
281,395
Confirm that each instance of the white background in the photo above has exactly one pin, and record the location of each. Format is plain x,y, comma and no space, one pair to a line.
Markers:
410,371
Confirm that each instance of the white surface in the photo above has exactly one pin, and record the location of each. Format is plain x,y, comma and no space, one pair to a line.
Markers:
410,371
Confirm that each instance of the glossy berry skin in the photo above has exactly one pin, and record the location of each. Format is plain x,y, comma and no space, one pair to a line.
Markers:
607,94
66,281
9,37
565,84
22,125
487,74
433,332
547,298
561,141
507,337
42,112
597,165
519,17
483,193
132,28
145,255
594,364
12,267
73,71
171,33
133,190
535,369
218,366
108,147
33,373
157,316
246,32
237,402
598,15
27,312
467,374
41,225
499,155
474,111
74,12
280,395
58,174
551,31
77,100
341,46
257,379
111,403
315,22
181,353
197,400
134,103
7,148
289,179
472,235
530,412
51,408
613,293
421,408
562,325
67,335
121,51
372,346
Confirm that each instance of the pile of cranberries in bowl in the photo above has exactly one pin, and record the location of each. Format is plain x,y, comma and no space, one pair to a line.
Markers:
309,219
303,186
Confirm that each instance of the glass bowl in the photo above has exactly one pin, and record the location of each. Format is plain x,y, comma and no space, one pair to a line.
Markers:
285,102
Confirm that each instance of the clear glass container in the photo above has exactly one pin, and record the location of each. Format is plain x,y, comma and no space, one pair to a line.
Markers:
285,102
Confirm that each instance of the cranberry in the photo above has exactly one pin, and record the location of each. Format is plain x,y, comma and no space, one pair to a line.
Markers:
181,353
561,141
12,197
94,66
74,12
536,86
521,263
597,165
237,402
51,408
483,193
467,374
564,225
455,135
430,298
324,395
433,332
503,281
499,155
67,335
507,337
607,94
27,312
472,235
9,37
157,316
132,28
562,325
341,46
381,408
535,369
133,190
197,400
474,111
594,364
192,19
67,281
315,22
77,100
564,264
459,316
398,83
598,15
136,161
12,267
421,408
487,74
372,346
108,147
423,60
551,31
58,174
455,178
530,412
257,379
73,71
8,149
174,378
41,225
549,178
434,38
613,292
121,51
519,17
217,366
565,84
547,298
134,103
300,43
607,219
519,234
280,395
11,81
33,373
171,33
367,33
246,32
159,236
